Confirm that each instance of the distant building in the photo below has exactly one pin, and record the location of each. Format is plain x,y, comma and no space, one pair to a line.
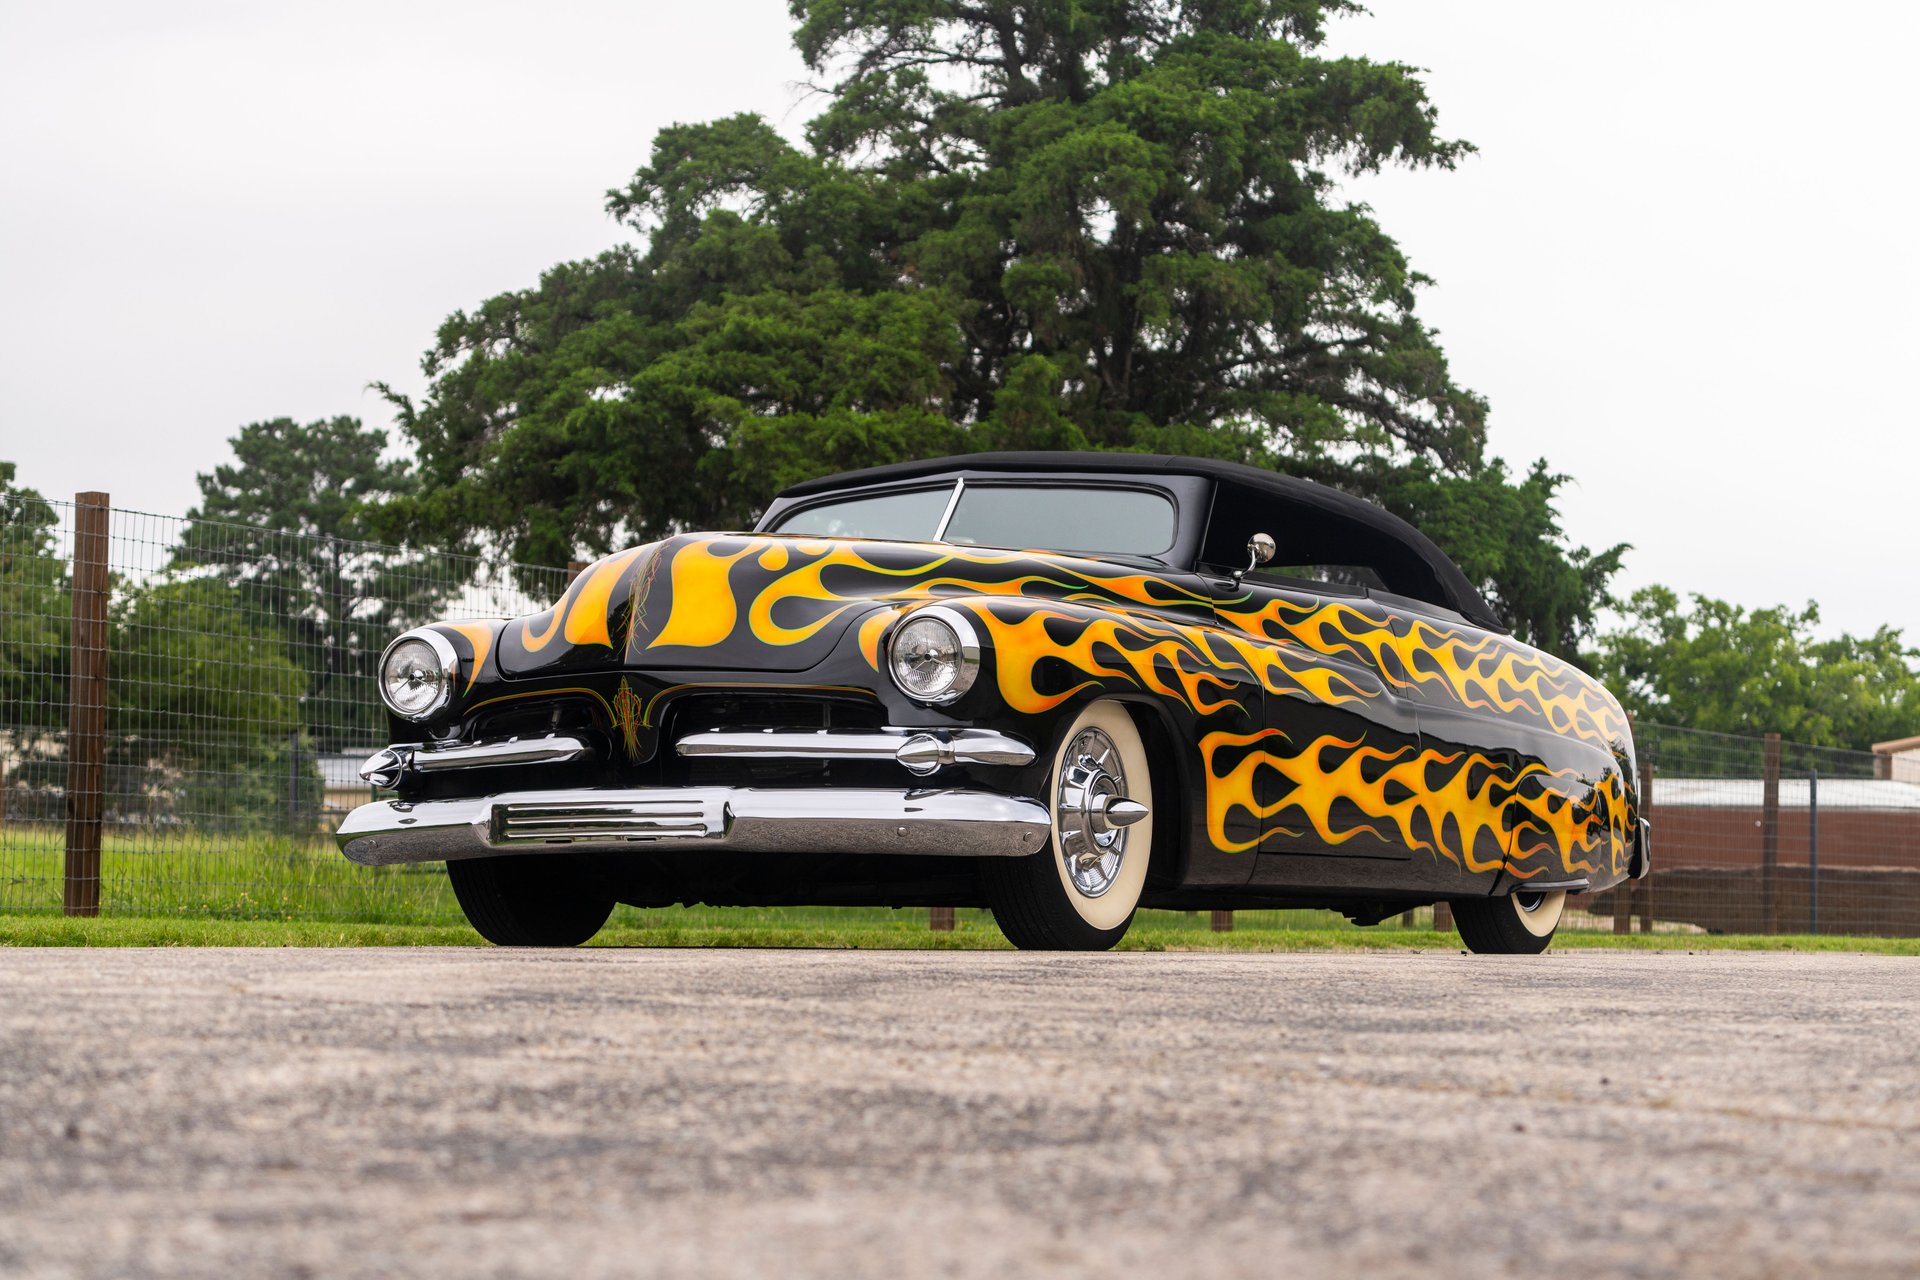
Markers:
1898,760
1710,845
343,789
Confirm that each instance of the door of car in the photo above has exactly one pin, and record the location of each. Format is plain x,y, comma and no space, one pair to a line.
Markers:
1330,761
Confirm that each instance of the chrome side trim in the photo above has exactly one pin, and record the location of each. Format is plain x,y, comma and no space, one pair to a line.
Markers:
922,751
1580,885
971,824
386,767
551,750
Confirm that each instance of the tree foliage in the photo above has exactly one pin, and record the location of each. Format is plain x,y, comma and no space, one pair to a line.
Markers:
1708,664
1069,224
287,525
204,707
33,608
203,698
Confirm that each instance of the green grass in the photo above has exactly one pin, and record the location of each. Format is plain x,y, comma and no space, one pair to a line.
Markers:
265,891
224,877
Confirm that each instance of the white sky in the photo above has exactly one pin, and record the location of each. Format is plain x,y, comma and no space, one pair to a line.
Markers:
1680,267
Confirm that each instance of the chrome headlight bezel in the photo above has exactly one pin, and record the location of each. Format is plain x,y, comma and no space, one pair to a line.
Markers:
966,644
449,672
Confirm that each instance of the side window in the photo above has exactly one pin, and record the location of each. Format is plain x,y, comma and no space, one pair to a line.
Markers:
899,517
1340,578
1316,550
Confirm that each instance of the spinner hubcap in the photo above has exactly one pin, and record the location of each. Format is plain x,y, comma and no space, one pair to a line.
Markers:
1093,813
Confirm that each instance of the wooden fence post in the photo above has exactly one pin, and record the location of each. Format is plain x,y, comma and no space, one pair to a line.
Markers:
1770,838
87,706
1643,889
1443,916
574,569
940,919
1221,922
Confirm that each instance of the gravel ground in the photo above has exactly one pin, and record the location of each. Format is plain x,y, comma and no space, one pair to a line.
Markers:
852,1114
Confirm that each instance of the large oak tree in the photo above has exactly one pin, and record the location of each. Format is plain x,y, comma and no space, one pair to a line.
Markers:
1101,224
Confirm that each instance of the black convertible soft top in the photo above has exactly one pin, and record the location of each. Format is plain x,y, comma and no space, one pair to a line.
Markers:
1321,524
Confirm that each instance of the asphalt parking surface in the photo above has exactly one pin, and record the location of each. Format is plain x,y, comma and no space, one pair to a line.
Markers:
851,1114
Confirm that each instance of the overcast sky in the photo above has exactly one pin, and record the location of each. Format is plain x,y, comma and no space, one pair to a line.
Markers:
1680,267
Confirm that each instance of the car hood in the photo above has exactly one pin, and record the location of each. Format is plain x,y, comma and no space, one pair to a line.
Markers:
769,602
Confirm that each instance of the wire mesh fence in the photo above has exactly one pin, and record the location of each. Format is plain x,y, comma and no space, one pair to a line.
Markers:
239,701
238,705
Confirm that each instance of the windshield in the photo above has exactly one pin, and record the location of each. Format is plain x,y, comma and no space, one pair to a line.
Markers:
1098,519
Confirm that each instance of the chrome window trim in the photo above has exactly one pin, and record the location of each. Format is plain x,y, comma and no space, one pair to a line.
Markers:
953,503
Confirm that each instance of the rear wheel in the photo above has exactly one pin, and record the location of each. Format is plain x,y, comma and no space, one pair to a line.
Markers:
538,900
1513,924
1080,895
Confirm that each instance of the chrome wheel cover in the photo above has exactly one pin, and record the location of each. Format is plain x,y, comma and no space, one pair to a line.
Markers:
1092,849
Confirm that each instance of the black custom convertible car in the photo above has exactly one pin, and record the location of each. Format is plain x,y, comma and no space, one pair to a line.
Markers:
1063,686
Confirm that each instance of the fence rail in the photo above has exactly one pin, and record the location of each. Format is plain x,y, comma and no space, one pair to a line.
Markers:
184,705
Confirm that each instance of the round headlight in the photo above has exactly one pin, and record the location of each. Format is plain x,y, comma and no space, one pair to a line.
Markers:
934,655
416,675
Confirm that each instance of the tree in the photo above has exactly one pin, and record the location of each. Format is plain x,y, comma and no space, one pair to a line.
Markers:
287,523
204,707
1708,664
1507,538
34,609
1016,224
35,617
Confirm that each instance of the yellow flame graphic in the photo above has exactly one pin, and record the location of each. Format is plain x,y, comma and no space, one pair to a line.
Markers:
1446,801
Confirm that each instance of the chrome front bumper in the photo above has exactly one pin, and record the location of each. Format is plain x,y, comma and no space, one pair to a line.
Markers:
967,824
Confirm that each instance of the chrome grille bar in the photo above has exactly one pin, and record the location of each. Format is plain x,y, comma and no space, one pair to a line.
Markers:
671,816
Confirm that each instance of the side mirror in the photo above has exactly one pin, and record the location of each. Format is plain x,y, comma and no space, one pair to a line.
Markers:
1260,550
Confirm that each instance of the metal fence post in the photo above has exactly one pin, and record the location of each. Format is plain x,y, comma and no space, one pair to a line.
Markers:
87,706
1770,838
1813,851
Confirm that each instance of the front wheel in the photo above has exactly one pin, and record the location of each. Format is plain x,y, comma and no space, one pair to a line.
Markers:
1080,895
1513,924
531,900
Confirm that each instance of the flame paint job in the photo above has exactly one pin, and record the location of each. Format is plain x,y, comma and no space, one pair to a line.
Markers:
1306,722
479,638
1473,668
1460,805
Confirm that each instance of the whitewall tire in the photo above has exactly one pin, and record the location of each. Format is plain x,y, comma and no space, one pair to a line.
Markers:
1080,894
1520,923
